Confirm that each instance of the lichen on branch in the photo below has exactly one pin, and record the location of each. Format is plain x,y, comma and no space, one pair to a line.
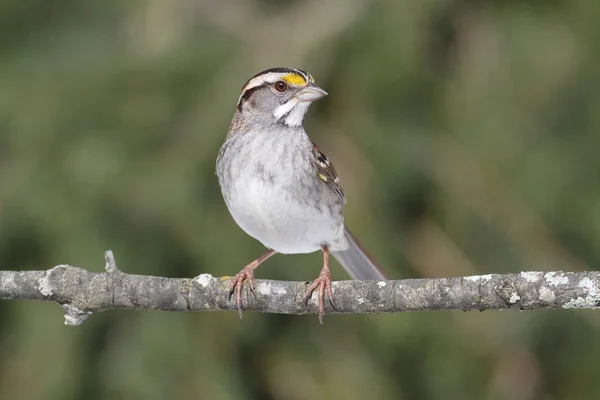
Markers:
82,293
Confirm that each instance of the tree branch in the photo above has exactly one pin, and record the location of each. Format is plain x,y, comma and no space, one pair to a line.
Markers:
82,293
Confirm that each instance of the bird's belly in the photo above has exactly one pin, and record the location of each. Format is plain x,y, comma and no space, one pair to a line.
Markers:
279,219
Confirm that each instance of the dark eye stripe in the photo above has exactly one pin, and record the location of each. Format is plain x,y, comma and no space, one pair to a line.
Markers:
246,95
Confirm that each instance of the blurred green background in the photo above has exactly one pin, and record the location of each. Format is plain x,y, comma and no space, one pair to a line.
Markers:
466,134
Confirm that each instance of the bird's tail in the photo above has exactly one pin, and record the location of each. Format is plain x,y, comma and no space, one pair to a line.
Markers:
357,261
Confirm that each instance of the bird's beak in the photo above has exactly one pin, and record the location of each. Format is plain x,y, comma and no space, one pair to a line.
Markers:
311,93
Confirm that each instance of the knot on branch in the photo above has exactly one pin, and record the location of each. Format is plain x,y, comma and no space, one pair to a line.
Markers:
64,283
47,284
507,291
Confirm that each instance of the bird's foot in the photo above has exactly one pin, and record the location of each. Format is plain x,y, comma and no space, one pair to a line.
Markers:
246,274
237,282
323,283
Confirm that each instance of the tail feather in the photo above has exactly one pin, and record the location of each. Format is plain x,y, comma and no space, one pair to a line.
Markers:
359,264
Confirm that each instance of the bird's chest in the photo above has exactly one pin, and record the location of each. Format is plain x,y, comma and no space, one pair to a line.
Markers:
271,190
262,203
272,194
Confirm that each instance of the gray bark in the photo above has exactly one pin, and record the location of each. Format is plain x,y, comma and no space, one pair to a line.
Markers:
82,293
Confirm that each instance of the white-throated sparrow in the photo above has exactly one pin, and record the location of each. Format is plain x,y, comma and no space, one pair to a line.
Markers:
279,187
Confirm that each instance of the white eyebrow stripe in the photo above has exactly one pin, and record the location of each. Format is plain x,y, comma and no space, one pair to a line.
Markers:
271,77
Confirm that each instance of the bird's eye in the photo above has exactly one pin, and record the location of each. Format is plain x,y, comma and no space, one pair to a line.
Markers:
281,86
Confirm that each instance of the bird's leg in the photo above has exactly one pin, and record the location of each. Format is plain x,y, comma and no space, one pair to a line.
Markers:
246,274
323,282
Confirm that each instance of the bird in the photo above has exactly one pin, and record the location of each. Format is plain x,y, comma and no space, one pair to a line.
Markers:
280,188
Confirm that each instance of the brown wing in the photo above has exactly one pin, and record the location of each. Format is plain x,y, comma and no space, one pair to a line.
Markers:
327,174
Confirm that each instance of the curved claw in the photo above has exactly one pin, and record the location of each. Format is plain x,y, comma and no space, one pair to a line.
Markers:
236,285
246,274
323,283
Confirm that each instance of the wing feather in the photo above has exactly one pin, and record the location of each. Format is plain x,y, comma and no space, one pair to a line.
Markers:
326,172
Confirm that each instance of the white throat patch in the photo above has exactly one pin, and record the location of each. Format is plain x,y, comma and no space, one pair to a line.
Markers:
294,111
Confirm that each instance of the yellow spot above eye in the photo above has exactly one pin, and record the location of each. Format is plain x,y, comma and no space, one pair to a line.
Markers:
294,79
323,177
